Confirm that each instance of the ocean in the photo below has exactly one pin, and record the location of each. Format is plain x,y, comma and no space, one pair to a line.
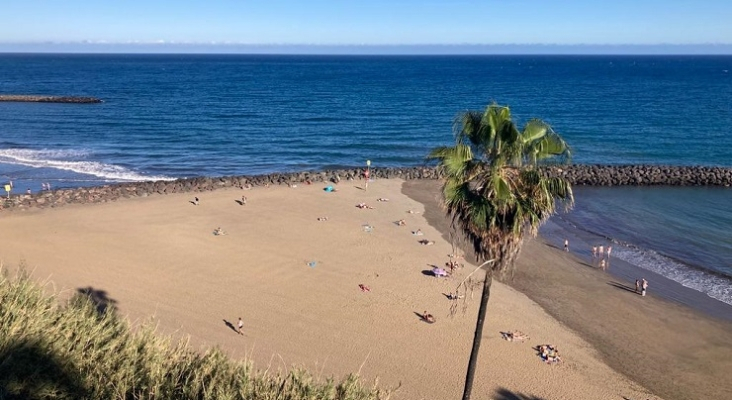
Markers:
172,116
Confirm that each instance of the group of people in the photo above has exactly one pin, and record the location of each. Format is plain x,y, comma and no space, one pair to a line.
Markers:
602,256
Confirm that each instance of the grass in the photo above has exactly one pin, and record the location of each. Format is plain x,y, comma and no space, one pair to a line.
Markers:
50,350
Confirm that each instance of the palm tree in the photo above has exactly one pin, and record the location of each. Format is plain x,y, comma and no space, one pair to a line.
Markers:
495,193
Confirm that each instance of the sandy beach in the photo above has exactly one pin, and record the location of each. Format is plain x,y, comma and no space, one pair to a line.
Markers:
334,288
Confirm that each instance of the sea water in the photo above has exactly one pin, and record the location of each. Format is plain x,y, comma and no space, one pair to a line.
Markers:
172,116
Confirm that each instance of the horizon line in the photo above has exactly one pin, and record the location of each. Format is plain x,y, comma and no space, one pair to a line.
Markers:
161,47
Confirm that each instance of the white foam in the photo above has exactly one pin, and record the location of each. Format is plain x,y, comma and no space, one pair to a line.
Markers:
712,285
69,160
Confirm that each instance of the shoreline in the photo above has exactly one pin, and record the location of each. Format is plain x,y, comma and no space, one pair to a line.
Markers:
553,233
677,351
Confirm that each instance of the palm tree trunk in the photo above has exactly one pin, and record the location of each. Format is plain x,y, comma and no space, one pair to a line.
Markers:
478,334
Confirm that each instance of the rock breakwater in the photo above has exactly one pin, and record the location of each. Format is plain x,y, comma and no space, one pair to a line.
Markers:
594,175
49,99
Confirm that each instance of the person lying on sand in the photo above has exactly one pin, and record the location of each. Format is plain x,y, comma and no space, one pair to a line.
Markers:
322,218
418,232
412,212
382,199
429,318
364,206
426,242
218,231
364,288
515,336
440,273
454,296
401,222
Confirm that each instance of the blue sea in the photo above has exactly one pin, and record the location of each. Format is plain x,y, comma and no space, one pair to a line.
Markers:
172,116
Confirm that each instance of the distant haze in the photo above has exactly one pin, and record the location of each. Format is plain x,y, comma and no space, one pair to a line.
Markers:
457,49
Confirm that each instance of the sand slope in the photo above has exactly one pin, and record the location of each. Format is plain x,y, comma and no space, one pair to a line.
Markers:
157,256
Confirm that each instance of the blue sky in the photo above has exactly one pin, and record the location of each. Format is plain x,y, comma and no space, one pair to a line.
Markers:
207,24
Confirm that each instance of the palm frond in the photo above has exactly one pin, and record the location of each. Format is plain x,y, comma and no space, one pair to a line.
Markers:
492,191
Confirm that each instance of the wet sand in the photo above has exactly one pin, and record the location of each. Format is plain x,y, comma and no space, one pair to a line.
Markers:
676,351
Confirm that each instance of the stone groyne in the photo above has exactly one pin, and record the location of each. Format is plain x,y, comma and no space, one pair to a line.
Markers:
578,175
49,99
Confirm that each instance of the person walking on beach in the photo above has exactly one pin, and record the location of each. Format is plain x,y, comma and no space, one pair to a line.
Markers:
239,327
243,200
609,249
644,286
566,245
594,251
637,285
601,251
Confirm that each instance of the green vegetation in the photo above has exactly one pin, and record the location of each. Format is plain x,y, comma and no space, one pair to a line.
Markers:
494,193
74,351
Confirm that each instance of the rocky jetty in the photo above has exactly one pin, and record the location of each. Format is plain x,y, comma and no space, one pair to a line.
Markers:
594,175
49,99
644,175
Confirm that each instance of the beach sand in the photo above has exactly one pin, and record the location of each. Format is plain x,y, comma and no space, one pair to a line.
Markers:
295,280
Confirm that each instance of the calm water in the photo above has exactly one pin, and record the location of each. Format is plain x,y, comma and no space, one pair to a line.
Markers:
170,116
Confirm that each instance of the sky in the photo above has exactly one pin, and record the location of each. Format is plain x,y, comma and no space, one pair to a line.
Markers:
103,25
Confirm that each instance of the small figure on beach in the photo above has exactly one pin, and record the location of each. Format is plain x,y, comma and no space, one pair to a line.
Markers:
322,218
218,231
566,245
195,200
454,296
243,200
382,199
330,188
603,265
601,251
426,242
364,288
418,232
594,251
428,318
28,191
637,285
515,336
401,222
609,249
644,286
239,327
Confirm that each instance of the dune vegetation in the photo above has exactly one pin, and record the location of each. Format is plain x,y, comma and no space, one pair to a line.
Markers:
79,349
